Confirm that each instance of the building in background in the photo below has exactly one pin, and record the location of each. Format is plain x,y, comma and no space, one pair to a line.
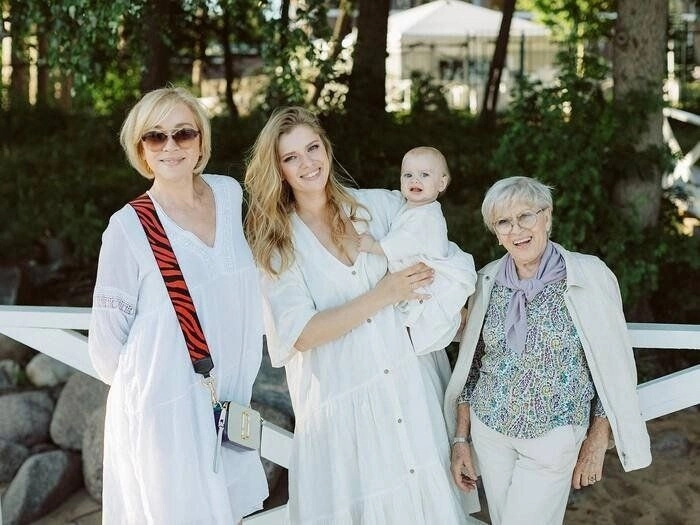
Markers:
452,42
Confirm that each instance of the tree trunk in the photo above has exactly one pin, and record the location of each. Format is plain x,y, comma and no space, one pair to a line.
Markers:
367,90
639,55
639,66
343,26
42,80
493,83
19,56
228,63
157,65
284,23
65,101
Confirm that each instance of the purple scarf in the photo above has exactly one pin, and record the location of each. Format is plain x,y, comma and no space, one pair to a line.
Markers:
551,269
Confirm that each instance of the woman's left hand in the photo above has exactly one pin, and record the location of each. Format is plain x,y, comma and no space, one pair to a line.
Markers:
589,467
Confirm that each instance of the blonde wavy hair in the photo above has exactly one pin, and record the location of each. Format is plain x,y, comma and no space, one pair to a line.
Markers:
271,200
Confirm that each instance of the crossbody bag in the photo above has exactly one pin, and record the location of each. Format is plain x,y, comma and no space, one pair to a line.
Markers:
236,425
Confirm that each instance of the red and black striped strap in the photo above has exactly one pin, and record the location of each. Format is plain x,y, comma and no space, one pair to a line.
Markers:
175,284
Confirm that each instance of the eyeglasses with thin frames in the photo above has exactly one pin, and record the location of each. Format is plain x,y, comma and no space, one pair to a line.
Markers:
525,220
155,140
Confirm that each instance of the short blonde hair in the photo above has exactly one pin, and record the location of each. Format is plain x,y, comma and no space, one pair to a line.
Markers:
434,154
271,200
151,110
510,191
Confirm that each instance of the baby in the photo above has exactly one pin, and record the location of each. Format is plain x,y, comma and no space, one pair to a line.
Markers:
419,234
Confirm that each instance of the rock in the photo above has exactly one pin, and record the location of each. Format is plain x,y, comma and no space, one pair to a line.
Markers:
44,370
81,396
40,448
25,417
18,352
270,387
5,382
10,373
93,451
276,417
10,277
670,444
13,455
43,482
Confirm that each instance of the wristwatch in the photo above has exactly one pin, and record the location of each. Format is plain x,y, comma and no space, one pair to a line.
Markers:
461,439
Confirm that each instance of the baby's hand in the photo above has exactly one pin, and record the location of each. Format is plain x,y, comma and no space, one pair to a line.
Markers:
365,242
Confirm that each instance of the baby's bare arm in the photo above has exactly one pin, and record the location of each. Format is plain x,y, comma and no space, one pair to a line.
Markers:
367,243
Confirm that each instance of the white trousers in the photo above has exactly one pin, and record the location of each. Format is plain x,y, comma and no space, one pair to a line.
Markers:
527,481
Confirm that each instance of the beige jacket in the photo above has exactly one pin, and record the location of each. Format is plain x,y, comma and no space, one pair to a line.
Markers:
594,302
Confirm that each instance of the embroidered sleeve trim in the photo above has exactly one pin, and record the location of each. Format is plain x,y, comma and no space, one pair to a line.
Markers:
113,302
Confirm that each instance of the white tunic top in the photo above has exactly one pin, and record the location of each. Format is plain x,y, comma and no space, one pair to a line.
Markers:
419,234
159,429
370,444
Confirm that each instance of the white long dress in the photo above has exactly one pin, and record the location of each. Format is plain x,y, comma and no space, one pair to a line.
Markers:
419,234
370,444
159,428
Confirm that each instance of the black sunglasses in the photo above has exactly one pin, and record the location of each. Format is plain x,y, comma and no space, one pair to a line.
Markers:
183,137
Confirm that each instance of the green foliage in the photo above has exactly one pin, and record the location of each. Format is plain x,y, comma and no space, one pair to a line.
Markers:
65,175
690,97
426,94
296,57
575,139
573,21
62,177
84,35
289,53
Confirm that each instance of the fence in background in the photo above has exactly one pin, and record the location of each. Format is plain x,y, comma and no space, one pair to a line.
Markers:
57,332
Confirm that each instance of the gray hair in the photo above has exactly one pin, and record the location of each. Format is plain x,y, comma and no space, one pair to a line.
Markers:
507,192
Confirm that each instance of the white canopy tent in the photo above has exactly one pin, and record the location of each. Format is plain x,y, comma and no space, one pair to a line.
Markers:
453,41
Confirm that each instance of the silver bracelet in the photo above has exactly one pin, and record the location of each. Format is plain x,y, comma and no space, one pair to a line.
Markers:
461,439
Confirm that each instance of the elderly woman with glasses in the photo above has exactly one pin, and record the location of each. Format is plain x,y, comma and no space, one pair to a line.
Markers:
545,372
160,436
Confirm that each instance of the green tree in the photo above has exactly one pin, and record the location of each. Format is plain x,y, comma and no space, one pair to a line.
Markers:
328,71
573,136
290,53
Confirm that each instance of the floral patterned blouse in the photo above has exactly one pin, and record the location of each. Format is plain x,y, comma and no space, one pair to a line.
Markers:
549,385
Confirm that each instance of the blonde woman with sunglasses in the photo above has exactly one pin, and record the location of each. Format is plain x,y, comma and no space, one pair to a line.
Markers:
545,377
160,437
370,445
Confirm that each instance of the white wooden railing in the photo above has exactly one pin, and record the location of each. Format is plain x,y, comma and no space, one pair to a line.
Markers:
683,172
54,332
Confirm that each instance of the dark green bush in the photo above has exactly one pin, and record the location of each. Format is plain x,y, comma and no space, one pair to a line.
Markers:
573,138
65,175
61,176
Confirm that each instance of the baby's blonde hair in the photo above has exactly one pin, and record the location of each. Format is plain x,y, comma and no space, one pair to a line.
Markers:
435,155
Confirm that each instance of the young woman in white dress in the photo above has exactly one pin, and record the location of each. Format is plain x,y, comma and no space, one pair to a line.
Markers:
370,445
159,429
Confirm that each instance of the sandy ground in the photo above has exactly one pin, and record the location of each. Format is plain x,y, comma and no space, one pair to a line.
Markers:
666,493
